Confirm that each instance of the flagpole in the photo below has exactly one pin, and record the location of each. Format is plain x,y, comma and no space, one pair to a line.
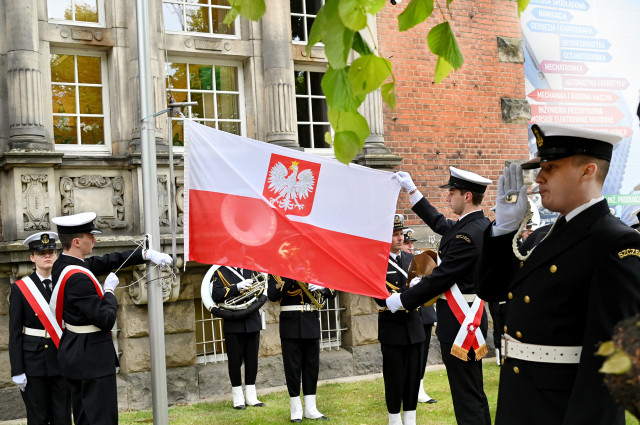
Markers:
151,225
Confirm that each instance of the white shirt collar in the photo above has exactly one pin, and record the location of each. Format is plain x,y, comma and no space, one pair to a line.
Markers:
393,256
463,216
583,207
41,277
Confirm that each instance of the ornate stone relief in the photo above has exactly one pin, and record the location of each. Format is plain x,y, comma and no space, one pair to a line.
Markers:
163,200
180,201
170,285
35,198
104,195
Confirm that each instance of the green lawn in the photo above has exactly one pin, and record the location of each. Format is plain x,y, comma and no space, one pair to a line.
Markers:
353,403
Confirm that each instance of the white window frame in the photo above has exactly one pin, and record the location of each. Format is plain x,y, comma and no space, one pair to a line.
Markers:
328,152
94,150
214,322
101,17
331,309
213,62
236,35
304,15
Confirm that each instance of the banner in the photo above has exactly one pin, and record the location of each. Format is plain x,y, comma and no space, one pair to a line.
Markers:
272,209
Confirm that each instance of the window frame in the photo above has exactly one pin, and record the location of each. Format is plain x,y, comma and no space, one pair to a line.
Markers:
328,152
236,35
207,319
331,308
95,150
305,16
101,16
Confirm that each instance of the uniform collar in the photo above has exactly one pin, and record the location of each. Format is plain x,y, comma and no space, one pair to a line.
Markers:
583,207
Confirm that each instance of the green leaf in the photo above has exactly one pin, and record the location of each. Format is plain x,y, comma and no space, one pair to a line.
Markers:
349,121
353,14
317,30
443,69
360,45
606,349
337,38
442,42
374,6
448,3
522,5
250,9
346,146
388,92
368,72
617,364
416,12
231,16
337,88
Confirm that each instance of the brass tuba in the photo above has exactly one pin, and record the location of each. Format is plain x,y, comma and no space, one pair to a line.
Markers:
240,306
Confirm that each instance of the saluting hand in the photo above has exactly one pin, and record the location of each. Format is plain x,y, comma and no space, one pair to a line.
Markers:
510,214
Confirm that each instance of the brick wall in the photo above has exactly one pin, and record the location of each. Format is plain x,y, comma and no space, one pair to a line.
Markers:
458,122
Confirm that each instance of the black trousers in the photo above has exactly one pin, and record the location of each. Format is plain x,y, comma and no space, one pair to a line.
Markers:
94,401
242,348
427,343
498,312
47,401
467,390
301,358
401,372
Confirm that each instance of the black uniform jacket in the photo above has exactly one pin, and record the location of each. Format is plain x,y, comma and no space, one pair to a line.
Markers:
576,285
32,355
295,324
458,251
90,355
224,287
404,326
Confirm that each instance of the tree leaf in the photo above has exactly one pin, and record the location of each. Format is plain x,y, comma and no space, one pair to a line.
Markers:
346,146
416,12
368,72
353,14
337,38
374,6
360,45
617,364
349,121
388,92
443,69
231,16
442,42
317,30
337,88
522,5
606,349
250,9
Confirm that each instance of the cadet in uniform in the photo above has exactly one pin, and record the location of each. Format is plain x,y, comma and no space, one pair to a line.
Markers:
300,340
567,296
401,337
32,351
407,244
86,354
462,322
242,335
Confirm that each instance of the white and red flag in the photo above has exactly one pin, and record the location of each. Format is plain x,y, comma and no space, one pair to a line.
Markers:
272,209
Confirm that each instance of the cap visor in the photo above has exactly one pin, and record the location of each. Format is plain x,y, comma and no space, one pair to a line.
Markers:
531,164
446,186
95,232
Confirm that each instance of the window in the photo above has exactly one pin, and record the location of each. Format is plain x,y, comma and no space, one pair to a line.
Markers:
86,12
79,100
218,91
210,343
330,330
311,106
200,16
303,13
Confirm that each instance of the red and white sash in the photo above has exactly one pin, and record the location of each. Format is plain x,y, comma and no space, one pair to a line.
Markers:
57,298
41,307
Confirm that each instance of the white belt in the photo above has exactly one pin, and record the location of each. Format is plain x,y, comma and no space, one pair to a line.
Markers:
85,329
467,297
539,353
304,307
42,333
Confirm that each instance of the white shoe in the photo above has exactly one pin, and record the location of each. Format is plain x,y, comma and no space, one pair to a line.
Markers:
296,409
395,419
410,417
310,409
252,397
238,397
423,397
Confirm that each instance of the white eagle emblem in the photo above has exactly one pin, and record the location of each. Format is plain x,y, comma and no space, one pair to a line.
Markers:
292,188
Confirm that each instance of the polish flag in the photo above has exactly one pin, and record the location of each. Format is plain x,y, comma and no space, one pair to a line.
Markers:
277,210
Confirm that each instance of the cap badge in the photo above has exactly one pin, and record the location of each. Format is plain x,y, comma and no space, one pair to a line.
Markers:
538,134
44,238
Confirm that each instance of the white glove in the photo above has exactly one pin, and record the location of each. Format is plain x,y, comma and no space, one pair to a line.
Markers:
405,181
157,257
20,381
244,285
314,287
510,215
414,281
394,303
111,282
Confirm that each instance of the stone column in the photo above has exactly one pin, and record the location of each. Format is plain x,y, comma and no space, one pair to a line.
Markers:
280,96
24,77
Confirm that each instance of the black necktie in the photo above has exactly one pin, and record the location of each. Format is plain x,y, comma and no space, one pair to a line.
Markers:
47,286
398,259
560,222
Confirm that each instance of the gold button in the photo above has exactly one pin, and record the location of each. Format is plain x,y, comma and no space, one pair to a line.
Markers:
553,269
516,370
46,346
510,295
527,299
502,360
36,314
519,334
505,328
521,264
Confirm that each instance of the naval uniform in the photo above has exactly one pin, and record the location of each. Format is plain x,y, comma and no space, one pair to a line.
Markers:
46,396
88,360
401,336
242,335
458,252
299,334
571,291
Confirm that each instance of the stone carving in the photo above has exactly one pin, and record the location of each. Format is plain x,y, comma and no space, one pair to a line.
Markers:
163,200
35,198
170,285
104,195
180,201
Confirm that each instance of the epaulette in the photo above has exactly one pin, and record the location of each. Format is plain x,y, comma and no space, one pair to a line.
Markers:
225,282
464,238
279,282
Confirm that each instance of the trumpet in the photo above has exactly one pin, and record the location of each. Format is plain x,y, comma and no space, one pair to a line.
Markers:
240,306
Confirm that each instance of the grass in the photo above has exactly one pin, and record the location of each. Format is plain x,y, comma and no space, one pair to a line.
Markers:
353,403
